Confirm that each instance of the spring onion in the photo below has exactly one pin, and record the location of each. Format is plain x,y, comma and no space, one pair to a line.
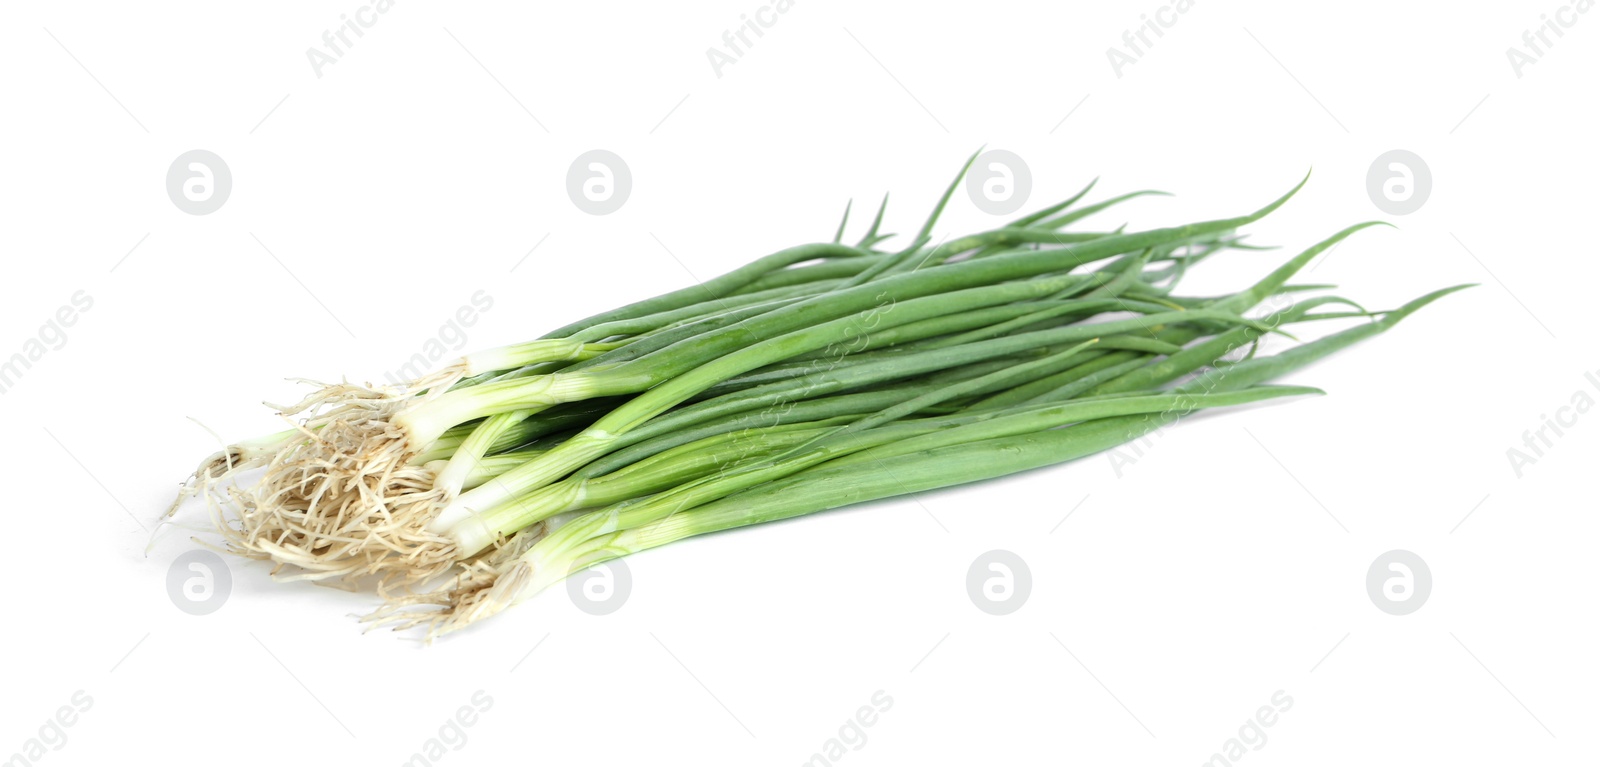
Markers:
822,375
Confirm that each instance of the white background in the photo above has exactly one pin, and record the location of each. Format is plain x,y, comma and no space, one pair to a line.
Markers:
1227,564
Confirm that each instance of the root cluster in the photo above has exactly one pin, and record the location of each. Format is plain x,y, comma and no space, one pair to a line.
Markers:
344,501
481,588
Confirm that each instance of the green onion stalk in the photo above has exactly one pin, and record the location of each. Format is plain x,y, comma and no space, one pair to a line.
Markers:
846,466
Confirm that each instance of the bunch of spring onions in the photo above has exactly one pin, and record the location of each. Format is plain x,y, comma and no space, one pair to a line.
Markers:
819,376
